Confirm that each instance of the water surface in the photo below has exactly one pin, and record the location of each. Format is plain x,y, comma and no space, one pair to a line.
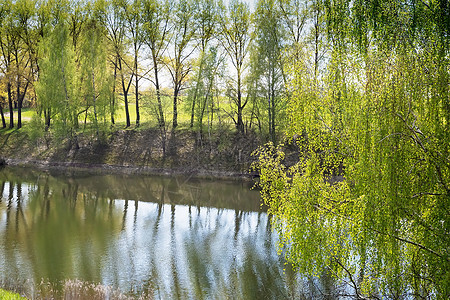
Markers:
174,238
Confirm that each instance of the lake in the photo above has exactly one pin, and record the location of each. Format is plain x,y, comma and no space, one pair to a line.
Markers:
163,237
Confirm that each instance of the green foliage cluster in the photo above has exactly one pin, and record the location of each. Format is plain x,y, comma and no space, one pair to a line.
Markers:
369,199
5,295
79,62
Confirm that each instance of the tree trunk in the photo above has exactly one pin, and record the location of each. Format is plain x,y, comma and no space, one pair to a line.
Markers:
20,97
202,112
240,123
125,99
161,122
47,117
158,95
3,116
113,100
138,116
193,110
19,112
94,99
125,93
196,91
273,116
175,110
10,103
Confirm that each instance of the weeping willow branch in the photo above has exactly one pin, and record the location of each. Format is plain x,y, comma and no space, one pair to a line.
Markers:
420,246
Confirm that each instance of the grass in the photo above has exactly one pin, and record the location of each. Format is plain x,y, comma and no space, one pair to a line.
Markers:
5,295
148,118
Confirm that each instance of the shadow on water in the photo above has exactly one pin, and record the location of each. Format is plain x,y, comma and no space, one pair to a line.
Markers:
166,238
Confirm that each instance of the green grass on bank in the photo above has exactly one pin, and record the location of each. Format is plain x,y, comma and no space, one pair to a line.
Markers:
147,114
148,120
5,295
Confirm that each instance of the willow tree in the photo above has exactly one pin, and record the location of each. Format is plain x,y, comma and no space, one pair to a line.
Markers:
95,77
368,200
56,88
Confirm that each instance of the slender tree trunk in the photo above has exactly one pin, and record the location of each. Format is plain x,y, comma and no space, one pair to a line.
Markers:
158,94
205,104
269,101
161,121
175,109
47,117
19,108
202,112
240,123
19,111
3,116
20,97
125,94
273,113
10,103
196,91
127,111
125,99
193,109
138,116
316,46
94,98
269,107
113,99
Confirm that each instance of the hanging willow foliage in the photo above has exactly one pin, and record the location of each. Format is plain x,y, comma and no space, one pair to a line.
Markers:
377,120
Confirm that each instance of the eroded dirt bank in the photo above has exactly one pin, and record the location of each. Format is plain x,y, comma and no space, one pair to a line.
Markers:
221,154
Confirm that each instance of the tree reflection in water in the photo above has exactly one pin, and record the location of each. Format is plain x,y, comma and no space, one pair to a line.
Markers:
168,237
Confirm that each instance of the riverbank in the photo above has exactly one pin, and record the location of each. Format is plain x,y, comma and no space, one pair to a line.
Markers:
220,154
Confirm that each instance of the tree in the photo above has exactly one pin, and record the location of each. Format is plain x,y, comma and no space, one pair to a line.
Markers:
111,18
114,19
207,18
183,27
3,96
96,80
134,22
372,183
156,34
25,52
294,16
236,38
267,62
56,88
207,89
7,39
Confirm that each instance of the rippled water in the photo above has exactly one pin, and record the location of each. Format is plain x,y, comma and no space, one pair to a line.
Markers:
172,238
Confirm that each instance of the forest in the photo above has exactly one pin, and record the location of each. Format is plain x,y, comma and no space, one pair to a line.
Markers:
85,62
360,87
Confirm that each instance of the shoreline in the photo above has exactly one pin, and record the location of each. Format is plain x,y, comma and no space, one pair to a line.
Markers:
224,155
105,169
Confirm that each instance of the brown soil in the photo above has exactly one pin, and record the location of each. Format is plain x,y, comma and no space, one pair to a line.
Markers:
221,154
